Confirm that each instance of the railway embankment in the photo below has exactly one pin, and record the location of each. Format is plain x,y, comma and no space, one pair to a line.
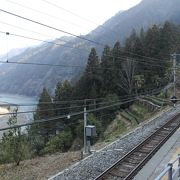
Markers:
100,160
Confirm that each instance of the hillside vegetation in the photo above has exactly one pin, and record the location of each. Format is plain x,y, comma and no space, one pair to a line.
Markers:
123,76
43,167
30,79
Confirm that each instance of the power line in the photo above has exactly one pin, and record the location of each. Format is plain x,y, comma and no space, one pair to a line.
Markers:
69,108
83,100
51,42
59,65
50,27
69,66
44,13
65,116
85,19
142,61
36,39
62,116
102,26
49,15
80,37
91,110
41,121
35,32
65,108
79,16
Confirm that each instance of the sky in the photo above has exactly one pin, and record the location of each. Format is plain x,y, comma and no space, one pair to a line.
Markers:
75,16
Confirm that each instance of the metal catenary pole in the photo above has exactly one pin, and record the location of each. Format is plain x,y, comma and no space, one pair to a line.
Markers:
174,73
85,124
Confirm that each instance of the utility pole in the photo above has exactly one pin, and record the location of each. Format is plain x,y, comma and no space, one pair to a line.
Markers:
174,73
7,34
85,124
174,98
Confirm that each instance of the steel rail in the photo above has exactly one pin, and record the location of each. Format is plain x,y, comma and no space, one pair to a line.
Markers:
168,129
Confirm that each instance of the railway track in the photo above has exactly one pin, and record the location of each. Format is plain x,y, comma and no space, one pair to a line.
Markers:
130,164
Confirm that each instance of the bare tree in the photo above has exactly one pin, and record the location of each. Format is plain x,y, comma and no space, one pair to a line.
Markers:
127,81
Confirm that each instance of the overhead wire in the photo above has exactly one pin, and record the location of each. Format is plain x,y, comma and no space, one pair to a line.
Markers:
37,39
63,116
66,11
44,13
79,16
31,31
93,105
50,27
118,57
52,42
93,42
49,15
65,108
49,64
65,66
80,37
84,101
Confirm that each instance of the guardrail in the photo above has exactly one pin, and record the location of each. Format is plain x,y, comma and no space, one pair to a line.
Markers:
169,170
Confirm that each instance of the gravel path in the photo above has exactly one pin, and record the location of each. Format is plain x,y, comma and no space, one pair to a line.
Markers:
93,165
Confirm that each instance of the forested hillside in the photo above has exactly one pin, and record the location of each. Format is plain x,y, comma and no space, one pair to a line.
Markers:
73,52
143,66
110,84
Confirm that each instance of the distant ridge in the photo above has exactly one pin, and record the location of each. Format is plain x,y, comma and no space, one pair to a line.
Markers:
29,80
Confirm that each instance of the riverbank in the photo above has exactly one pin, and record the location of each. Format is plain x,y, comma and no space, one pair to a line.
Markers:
20,101
3,111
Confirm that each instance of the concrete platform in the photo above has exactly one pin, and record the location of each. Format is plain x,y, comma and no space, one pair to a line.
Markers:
156,165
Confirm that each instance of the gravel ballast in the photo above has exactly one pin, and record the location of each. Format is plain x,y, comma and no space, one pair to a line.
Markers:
95,164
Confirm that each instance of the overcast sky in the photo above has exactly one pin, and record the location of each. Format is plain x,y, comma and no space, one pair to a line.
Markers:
75,16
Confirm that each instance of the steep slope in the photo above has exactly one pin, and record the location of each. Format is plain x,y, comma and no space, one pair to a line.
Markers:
30,79
145,14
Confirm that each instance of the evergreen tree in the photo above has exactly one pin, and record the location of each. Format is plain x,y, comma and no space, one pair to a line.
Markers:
45,110
117,54
63,93
130,43
58,95
107,69
62,104
91,79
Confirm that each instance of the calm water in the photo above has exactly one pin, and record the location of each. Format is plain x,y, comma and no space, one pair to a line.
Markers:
19,100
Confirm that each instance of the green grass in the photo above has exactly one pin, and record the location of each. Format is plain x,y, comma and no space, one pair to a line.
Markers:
129,117
139,110
156,101
114,130
136,118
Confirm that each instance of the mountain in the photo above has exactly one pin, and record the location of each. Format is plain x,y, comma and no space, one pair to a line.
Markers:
30,79
12,53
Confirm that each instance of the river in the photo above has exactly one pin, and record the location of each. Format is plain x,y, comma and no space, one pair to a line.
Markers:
6,99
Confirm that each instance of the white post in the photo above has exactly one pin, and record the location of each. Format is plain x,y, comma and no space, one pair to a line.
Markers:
174,72
85,123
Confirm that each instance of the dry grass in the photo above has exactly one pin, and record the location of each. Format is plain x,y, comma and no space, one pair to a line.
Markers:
39,168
